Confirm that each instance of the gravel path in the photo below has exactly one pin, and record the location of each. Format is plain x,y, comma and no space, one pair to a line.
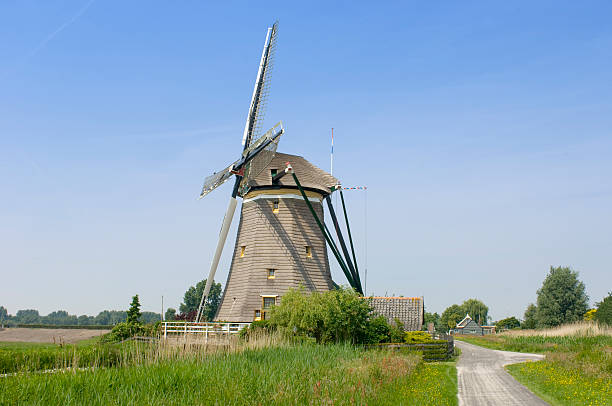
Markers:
483,380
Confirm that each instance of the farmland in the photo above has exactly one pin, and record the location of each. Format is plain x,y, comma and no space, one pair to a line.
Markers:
577,369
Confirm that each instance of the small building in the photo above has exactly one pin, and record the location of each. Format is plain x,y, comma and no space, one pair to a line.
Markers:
467,326
408,310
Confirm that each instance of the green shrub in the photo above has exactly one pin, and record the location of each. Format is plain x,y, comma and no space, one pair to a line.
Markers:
418,337
378,330
397,331
123,331
338,315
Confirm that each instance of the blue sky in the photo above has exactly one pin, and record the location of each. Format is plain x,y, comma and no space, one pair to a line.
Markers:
481,130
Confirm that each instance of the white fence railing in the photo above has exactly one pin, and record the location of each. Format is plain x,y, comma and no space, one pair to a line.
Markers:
202,329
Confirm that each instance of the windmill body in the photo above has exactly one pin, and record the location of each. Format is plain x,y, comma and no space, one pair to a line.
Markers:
278,245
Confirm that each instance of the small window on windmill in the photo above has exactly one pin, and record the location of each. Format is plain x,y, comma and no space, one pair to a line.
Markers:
273,172
275,207
242,250
257,315
271,273
268,302
308,252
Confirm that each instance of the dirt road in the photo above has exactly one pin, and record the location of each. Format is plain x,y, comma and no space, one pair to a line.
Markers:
48,335
483,381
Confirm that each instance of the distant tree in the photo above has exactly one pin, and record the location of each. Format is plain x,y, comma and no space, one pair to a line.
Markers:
29,316
451,316
193,295
150,317
478,311
604,310
133,314
59,317
3,315
117,316
85,320
530,317
103,318
170,314
186,316
508,323
432,318
561,299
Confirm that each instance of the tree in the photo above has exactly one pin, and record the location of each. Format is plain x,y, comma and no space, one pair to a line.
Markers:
29,316
338,315
451,316
150,317
508,323
432,318
604,310
561,299
3,315
133,314
193,295
170,314
530,317
477,310
85,320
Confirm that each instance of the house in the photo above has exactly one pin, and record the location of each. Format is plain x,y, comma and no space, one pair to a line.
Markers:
467,326
407,310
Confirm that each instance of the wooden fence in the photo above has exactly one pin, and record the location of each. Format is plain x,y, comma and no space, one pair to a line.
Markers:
205,330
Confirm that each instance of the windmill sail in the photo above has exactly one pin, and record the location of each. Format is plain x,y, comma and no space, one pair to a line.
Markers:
261,89
217,179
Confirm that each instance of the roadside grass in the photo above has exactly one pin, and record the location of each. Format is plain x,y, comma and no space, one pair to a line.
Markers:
560,385
285,374
577,369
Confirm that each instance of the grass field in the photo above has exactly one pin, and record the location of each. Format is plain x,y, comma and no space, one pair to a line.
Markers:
578,365
299,374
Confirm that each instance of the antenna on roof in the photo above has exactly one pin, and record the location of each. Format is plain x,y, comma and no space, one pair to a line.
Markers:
331,166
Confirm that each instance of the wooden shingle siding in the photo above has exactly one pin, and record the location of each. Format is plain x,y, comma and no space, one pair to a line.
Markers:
277,241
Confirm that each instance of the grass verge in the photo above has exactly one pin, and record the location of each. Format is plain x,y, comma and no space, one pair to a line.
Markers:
559,385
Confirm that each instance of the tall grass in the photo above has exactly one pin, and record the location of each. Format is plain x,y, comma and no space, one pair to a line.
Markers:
28,358
286,375
579,329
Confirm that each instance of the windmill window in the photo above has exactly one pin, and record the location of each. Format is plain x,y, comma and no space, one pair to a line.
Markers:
308,252
242,250
271,273
275,206
273,172
268,302
257,315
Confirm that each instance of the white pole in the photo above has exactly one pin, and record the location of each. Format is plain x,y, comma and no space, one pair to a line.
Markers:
227,222
162,313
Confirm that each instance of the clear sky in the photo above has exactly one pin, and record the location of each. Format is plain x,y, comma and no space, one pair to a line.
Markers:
482,130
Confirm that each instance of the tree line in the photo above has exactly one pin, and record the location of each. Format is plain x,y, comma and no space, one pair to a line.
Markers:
63,318
561,299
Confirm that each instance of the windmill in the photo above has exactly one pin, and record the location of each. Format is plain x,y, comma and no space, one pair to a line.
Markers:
255,155
278,245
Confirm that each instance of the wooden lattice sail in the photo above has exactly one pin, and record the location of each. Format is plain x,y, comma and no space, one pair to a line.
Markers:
278,246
